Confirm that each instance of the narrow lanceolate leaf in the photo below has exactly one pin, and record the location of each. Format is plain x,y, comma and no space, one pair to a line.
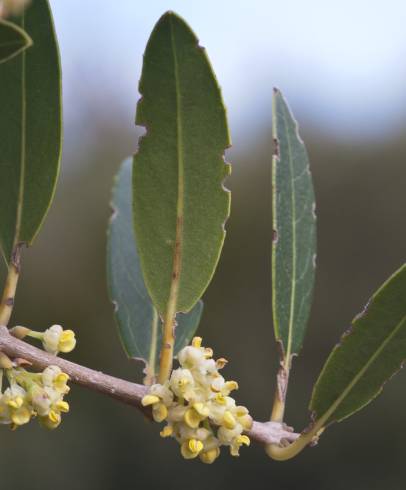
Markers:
294,231
30,129
368,355
180,204
140,327
13,40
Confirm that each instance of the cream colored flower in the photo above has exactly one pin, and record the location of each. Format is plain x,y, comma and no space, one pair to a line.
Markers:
182,383
55,339
53,377
14,403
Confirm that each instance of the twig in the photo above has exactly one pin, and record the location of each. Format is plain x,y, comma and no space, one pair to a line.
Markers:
124,391
7,301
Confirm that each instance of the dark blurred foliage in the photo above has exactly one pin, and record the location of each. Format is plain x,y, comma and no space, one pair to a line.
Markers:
103,445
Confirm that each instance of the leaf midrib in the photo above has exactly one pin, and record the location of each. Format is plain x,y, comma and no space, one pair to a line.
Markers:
294,257
324,418
23,144
178,246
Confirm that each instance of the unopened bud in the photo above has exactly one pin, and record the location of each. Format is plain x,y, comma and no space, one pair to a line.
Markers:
20,332
5,361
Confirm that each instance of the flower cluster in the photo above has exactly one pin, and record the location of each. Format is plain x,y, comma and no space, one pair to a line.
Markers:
32,394
197,407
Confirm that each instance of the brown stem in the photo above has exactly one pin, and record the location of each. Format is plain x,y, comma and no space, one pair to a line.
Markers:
124,391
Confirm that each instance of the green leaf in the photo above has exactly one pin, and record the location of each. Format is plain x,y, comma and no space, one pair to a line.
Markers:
30,128
369,354
180,204
140,327
294,231
13,40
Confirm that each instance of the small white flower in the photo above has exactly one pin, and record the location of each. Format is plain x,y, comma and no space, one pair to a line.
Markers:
55,339
163,392
15,399
191,357
182,383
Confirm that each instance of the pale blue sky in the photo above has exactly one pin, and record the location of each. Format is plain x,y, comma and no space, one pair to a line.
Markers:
342,64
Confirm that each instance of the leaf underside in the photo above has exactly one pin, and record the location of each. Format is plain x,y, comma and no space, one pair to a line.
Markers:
13,40
140,327
180,204
367,356
30,128
294,231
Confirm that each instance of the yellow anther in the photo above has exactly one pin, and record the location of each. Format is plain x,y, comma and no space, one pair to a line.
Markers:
220,399
195,446
192,418
229,421
54,416
49,423
209,456
220,363
183,382
208,353
231,385
197,342
201,409
21,416
159,412
167,431
19,400
61,378
67,335
62,406
14,403
67,341
186,452
60,381
243,439
149,400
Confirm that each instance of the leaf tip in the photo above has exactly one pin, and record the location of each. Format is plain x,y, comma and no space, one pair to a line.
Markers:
171,16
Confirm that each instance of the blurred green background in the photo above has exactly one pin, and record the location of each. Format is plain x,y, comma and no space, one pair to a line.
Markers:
346,86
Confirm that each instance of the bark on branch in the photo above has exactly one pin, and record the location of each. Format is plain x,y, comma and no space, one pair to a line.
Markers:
124,391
